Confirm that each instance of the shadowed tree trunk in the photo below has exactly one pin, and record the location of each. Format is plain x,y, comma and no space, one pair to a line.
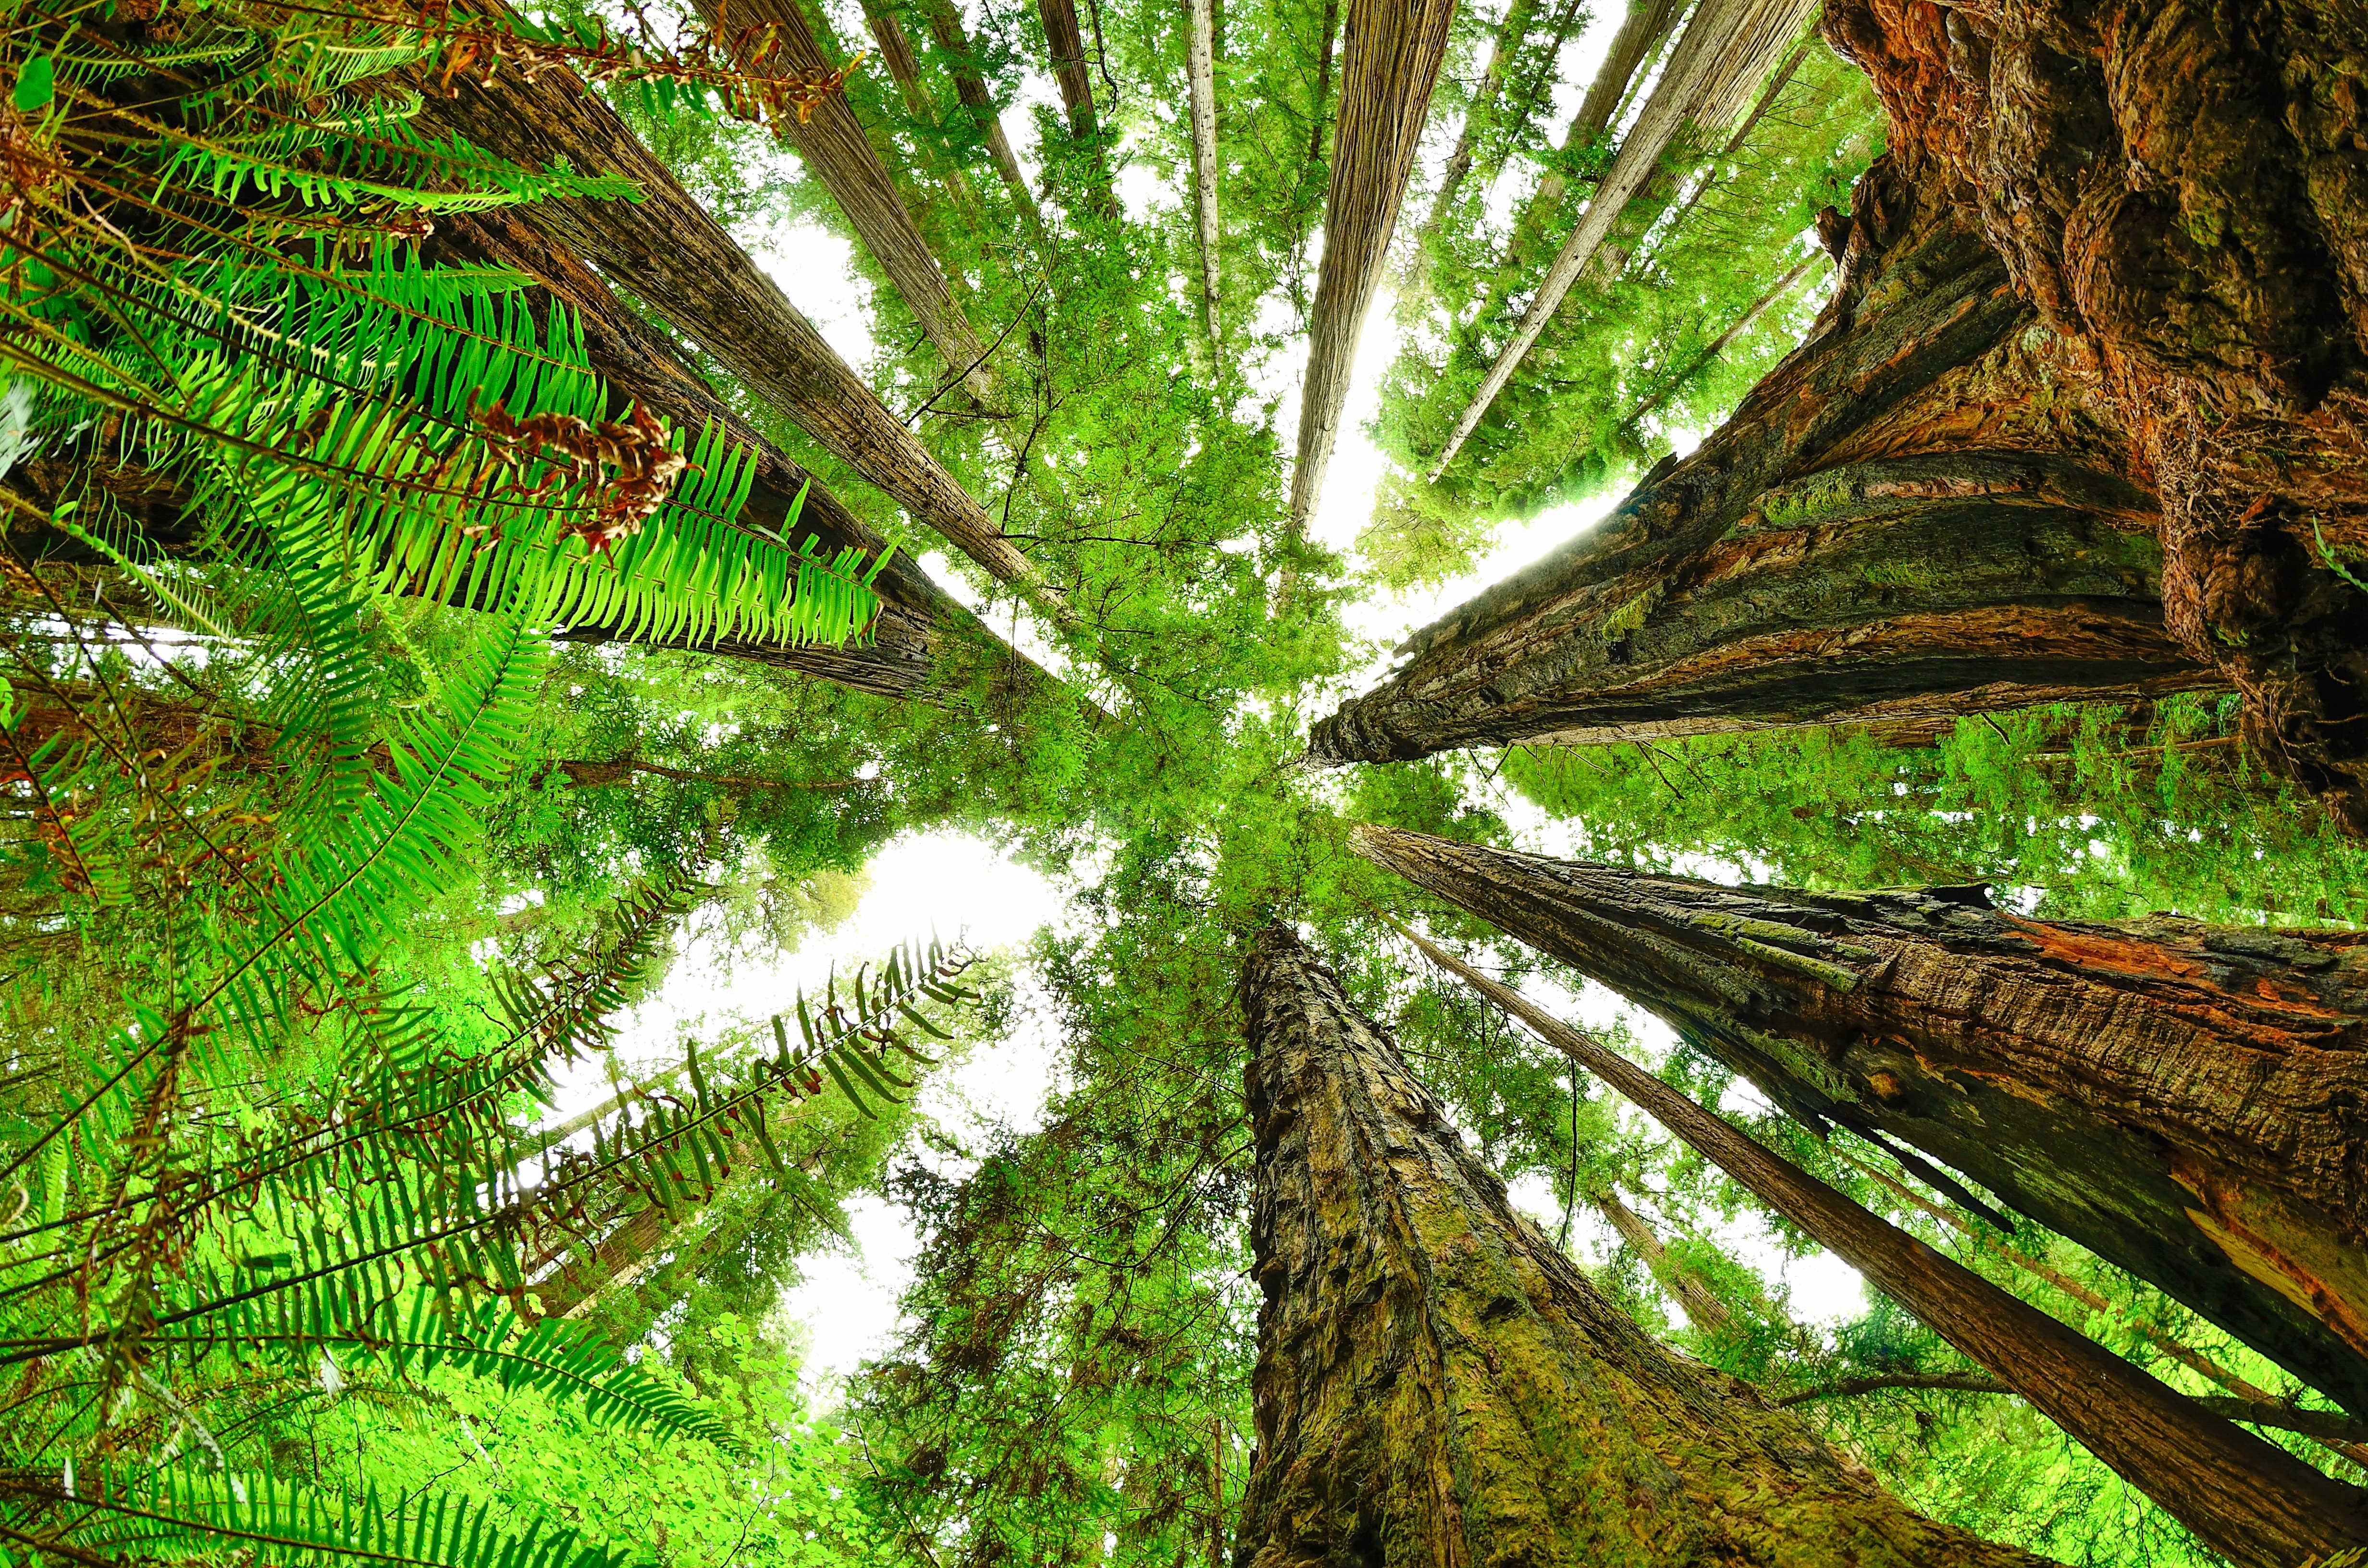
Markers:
1201,68
831,142
1389,65
2254,1502
669,253
1437,1383
961,63
1918,514
2188,1102
1065,43
2178,189
1724,44
1512,34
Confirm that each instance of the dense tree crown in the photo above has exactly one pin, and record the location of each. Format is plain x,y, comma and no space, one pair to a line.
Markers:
477,603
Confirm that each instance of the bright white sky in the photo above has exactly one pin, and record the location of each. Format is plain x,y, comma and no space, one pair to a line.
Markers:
847,1304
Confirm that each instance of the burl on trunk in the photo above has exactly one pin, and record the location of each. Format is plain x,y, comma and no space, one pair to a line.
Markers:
1437,1383
2189,1102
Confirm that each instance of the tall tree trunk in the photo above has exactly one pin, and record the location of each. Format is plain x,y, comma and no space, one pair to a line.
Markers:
1201,68
1389,68
831,139
1703,1308
1512,33
2186,1101
1918,514
2178,189
1437,1383
1718,48
2253,1502
666,250
1065,43
961,63
922,641
904,69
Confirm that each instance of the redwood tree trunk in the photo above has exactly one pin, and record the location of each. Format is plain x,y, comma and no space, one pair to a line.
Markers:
2188,1102
961,63
2255,1502
1065,43
831,140
666,250
2178,188
1437,1383
1512,33
1703,1309
1389,68
1917,514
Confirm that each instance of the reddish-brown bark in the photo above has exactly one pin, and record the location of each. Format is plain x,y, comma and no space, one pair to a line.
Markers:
2189,1102
961,63
1437,1383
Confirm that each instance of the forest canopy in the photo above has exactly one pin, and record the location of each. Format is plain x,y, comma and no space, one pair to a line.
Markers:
1257,781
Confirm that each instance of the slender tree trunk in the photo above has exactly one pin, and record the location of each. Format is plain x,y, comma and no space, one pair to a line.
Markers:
1718,346
665,249
1201,68
961,63
922,641
1437,1383
904,69
1512,33
1918,514
2186,1101
2253,1502
1391,64
1703,1309
831,140
1716,47
1065,43
2331,1430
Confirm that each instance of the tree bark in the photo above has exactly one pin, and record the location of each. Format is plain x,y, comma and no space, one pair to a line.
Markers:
1065,43
1390,66
922,638
2188,1102
1918,514
1437,1383
2177,188
2254,1502
1718,47
831,140
1512,34
666,250
1201,68
961,63
1703,1309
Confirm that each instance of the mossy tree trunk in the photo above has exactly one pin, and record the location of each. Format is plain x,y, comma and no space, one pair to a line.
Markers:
2188,1102
2255,1502
1915,514
1437,1383
669,253
1389,65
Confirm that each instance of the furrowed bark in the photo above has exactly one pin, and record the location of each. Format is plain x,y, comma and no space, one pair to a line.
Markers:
1389,69
669,251
921,637
1918,514
2178,189
2188,1102
1718,47
2248,1499
961,63
1512,34
1438,1383
831,142
1201,68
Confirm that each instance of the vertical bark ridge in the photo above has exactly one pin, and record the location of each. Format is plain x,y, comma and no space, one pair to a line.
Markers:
2250,1500
1437,1383
2188,1102
669,252
1201,68
961,63
832,142
1724,53
1390,66
1916,513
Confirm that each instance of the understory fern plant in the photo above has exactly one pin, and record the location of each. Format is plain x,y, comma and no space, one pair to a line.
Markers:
243,407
